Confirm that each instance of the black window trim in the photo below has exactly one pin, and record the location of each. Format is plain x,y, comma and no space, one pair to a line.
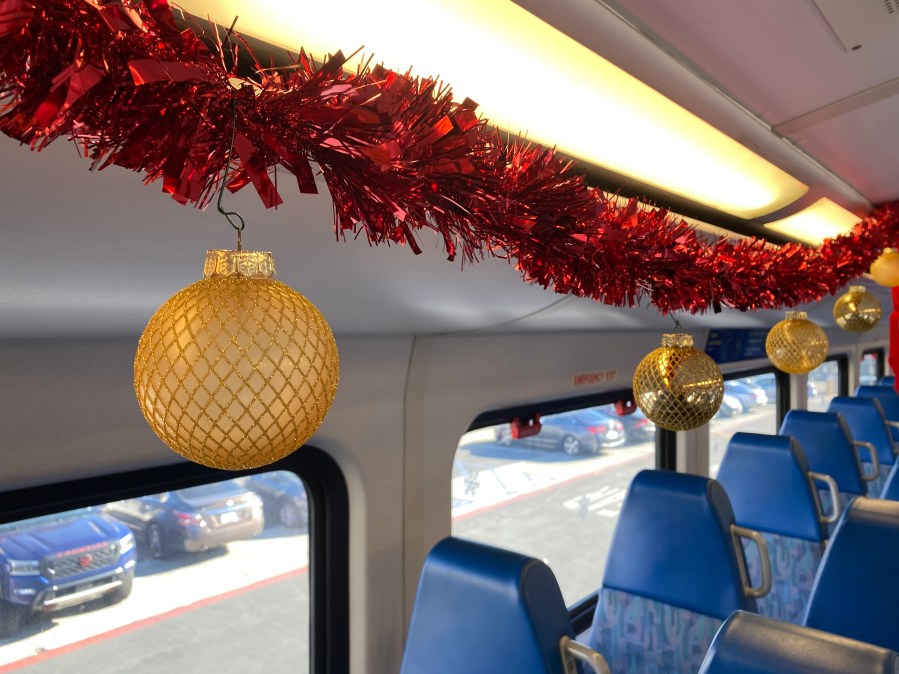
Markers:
328,530
879,354
782,386
581,612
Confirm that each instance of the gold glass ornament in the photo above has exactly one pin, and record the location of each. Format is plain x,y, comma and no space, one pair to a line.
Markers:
885,269
237,370
796,345
857,310
677,386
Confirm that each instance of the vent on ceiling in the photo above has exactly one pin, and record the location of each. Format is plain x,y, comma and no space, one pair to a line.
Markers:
861,23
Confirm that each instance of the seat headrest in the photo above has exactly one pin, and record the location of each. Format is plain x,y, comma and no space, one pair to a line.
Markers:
753,644
856,592
866,422
887,397
673,544
889,380
766,478
483,610
827,444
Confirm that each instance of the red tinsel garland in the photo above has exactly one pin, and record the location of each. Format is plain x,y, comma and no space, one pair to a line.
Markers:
396,152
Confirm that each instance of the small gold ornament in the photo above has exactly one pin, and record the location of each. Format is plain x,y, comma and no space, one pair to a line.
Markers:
857,310
885,269
796,345
237,370
677,386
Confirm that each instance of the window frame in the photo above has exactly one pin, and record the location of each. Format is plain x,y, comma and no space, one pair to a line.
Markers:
782,400
328,530
581,612
879,354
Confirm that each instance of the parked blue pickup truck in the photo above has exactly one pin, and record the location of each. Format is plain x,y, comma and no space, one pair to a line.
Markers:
61,560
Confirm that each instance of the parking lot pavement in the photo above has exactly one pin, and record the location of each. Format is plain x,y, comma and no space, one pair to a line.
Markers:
161,586
484,479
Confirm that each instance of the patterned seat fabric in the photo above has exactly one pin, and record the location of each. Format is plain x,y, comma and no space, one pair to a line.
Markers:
827,506
794,563
875,487
637,635
672,576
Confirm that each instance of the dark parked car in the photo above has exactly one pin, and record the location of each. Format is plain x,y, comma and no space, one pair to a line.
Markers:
283,497
637,428
730,406
587,430
192,519
749,395
62,560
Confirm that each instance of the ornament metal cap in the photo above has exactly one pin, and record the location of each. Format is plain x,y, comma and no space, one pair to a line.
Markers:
238,264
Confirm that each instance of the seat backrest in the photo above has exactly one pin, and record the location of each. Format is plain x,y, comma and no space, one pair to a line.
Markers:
866,422
827,444
483,610
856,593
888,398
767,480
672,575
752,644
889,380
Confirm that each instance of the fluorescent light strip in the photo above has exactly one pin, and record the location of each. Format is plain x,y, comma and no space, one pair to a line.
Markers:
823,219
528,77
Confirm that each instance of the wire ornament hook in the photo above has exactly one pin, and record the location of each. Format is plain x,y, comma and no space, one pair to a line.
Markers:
234,218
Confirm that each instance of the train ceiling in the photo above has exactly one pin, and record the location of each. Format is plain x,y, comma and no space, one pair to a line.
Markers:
94,254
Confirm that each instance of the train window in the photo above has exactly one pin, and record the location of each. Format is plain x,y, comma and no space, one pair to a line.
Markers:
749,405
555,495
213,574
871,367
825,382
179,568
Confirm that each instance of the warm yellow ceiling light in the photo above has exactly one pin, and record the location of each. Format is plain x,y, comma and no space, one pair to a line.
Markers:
822,220
528,77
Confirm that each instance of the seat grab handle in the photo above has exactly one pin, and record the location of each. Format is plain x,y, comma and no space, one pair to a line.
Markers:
759,540
875,462
834,496
572,651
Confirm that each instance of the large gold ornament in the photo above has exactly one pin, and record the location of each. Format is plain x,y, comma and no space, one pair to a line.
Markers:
857,310
885,269
237,370
677,386
796,345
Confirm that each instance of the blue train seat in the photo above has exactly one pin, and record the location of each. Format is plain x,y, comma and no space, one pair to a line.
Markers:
856,593
889,401
891,488
889,380
772,490
828,446
675,571
864,417
752,644
483,610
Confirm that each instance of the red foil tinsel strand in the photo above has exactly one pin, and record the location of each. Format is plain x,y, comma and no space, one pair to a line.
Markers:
397,153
